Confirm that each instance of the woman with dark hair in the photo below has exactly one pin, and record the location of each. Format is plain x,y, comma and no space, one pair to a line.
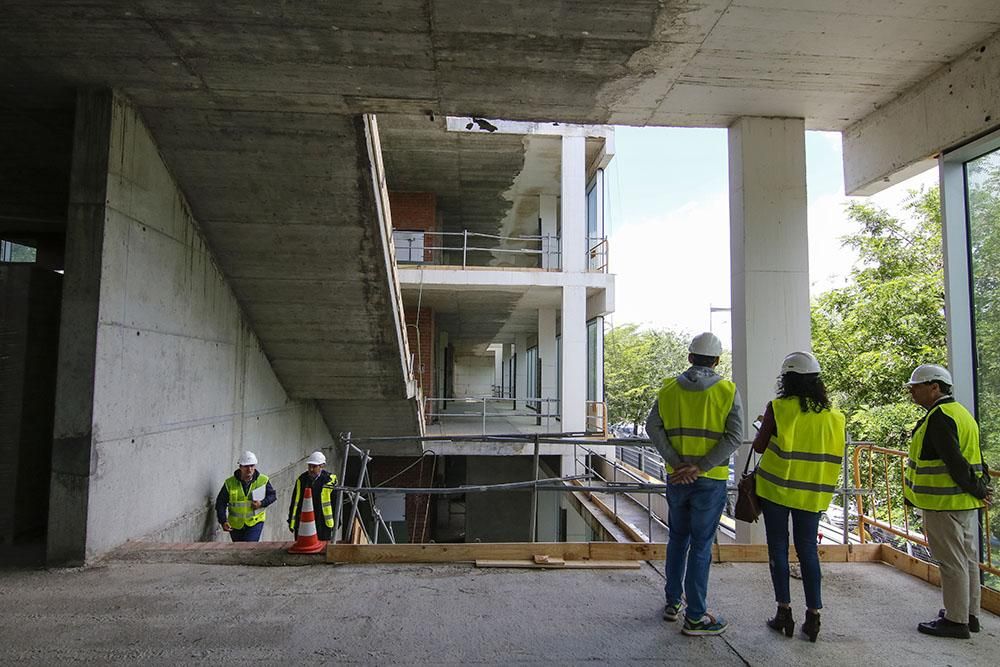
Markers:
802,441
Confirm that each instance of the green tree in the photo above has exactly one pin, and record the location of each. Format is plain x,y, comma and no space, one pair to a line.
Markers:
870,334
635,363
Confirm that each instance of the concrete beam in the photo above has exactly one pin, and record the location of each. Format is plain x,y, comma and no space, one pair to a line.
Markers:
954,105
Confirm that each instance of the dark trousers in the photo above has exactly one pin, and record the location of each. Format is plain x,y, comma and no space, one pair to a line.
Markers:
805,527
247,533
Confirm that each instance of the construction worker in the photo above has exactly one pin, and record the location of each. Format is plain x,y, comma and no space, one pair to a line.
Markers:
947,479
240,504
696,424
802,441
321,482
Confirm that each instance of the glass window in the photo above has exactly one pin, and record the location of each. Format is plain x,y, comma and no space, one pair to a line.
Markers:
595,345
15,252
534,379
409,245
982,177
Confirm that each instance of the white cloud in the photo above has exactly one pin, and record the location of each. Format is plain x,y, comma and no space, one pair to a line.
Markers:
670,270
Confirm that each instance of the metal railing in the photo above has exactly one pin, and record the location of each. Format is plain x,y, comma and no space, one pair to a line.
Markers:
475,248
885,511
597,255
597,418
486,407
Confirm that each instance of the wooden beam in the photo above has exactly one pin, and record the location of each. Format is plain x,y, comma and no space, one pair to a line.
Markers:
565,565
931,574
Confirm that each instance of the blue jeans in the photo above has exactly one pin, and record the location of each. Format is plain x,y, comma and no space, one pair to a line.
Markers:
805,527
694,512
247,533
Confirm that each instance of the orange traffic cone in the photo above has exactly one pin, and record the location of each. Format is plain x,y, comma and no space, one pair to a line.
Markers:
306,541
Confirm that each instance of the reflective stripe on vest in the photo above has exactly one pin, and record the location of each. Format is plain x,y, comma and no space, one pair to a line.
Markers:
802,463
241,514
928,485
695,421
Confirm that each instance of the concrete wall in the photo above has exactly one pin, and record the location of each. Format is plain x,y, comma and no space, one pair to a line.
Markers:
475,375
498,516
180,384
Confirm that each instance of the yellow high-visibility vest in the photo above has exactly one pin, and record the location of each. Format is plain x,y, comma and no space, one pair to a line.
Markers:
325,502
929,486
802,463
695,421
241,512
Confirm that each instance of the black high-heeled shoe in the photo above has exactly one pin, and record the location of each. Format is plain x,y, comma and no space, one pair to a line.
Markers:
811,627
783,621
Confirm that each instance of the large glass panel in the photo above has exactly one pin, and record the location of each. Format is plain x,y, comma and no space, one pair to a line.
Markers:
983,206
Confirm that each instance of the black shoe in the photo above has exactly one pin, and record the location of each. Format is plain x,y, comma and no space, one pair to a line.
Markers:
783,621
973,620
942,627
811,627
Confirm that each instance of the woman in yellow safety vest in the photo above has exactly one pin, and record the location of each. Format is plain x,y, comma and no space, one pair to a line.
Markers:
801,439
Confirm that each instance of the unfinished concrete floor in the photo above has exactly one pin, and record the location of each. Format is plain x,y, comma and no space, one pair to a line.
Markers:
453,614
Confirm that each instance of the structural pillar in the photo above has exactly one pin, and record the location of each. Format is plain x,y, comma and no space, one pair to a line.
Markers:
574,205
547,355
521,372
574,358
769,260
547,218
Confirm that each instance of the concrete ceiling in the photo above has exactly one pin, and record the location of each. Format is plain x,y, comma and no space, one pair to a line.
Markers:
251,103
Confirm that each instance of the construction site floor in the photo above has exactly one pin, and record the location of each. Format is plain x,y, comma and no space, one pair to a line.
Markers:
181,613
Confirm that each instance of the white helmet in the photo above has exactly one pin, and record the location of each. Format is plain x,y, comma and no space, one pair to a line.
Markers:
802,363
248,459
930,373
316,459
706,344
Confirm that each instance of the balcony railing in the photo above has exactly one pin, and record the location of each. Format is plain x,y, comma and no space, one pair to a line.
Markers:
467,248
884,515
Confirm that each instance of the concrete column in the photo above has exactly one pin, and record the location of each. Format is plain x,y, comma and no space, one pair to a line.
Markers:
497,370
574,358
547,354
547,214
508,352
521,372
574,205
769,259
73,435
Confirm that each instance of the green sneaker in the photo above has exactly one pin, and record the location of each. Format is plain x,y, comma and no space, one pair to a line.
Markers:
706,625
672,611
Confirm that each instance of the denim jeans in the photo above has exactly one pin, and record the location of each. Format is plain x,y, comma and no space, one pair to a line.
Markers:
805,526
694,511
247,533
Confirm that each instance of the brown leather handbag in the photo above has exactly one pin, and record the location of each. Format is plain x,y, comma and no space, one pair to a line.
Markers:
747,504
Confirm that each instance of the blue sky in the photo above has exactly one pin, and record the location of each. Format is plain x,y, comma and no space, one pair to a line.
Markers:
668,192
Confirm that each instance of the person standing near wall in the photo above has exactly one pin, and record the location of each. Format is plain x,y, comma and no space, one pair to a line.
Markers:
321,482
802,440
240,504
946,477
696,424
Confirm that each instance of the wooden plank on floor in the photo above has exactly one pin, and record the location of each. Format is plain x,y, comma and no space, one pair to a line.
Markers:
566,565
453,553
864,553
932,574
628,551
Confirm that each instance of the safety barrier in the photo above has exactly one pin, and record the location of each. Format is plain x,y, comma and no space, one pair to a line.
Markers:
885,510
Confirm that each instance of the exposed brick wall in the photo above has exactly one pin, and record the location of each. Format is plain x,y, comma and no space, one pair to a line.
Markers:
419,509
416,211
424,352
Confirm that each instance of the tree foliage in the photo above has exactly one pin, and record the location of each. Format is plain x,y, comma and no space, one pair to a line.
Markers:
636,361
870,334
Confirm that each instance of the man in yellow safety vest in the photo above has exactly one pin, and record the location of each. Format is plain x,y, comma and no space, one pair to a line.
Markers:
321,482
946,477
239,507
696,424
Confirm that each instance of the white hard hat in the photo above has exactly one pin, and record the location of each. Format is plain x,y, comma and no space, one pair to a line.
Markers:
706,344
316,459
802,363
930,373
248,459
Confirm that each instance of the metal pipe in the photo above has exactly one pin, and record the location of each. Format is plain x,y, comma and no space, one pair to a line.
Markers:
358,489
465,246
534,497
340,534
